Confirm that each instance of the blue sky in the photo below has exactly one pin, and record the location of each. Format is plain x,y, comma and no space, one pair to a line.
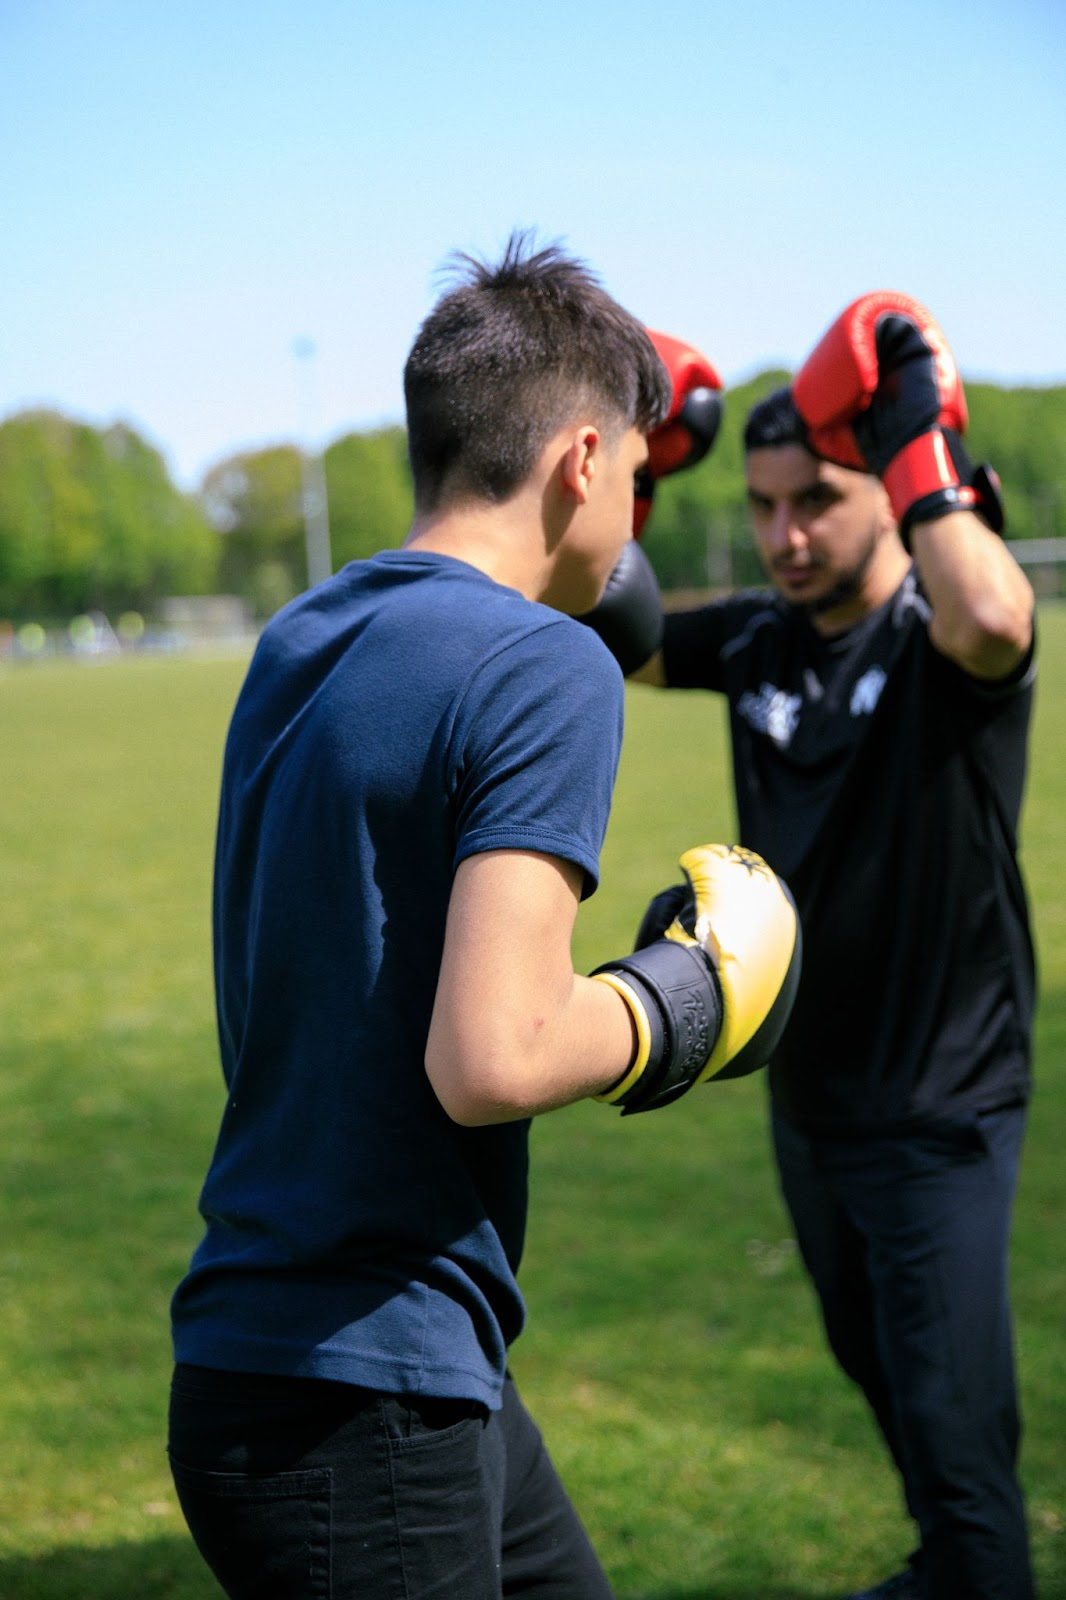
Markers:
188,189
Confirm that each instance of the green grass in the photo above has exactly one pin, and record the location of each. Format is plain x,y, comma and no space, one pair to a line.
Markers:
673,1355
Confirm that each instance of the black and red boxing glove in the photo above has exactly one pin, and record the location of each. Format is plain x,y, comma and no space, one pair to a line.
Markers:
688,430
629,616
881,393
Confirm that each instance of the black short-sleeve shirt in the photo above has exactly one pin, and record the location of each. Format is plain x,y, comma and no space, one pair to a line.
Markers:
885,785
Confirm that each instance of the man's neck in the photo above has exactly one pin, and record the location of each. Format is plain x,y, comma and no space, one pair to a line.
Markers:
876,585
494,539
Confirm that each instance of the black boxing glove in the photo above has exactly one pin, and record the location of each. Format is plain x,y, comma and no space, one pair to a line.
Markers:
629,616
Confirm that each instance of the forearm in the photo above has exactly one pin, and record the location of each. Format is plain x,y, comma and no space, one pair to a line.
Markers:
534,1059
515,1031
982,601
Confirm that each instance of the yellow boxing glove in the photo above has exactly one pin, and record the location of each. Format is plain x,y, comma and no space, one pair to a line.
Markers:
709,998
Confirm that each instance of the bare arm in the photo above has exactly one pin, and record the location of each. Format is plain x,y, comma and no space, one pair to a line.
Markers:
982,601
515,1031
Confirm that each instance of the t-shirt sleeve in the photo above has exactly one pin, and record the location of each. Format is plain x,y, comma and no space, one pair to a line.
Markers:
535,748
985,692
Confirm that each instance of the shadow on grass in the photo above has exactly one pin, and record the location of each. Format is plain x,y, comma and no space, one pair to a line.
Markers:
170,1569
159,1569
730,1592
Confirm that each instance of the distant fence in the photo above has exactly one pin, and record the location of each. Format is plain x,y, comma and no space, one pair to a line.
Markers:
197,622
1045,562
731,562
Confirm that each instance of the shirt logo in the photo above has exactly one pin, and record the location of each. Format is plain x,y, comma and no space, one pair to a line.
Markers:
772,712
867,692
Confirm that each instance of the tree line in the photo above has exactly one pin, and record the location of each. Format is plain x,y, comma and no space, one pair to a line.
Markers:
91,520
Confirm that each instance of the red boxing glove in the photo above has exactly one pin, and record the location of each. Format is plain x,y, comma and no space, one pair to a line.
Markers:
881,393
688,430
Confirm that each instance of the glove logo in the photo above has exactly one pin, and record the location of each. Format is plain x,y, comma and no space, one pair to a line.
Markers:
772,712
867,692
748,859
694,1042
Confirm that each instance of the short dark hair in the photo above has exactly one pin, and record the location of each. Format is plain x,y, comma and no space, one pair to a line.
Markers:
774,421
508,357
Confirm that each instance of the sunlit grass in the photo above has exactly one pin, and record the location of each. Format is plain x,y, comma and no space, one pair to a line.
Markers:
673,1354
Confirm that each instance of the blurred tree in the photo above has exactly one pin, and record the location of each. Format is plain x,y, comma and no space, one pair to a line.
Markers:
370,496
1023,433
254,502
89,519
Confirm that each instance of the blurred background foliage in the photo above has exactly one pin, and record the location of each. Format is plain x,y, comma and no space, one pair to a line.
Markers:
90,519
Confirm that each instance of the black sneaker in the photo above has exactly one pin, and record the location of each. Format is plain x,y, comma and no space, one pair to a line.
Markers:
903,1586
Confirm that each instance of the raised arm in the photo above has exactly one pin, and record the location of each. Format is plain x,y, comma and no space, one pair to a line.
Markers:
629,616
982,601
881,392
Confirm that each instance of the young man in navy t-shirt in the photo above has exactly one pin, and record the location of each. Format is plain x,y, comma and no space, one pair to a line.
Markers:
416,785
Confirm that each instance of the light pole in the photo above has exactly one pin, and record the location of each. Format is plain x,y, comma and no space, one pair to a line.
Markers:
315,498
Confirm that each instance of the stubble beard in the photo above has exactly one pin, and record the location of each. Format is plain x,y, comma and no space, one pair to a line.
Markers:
847,586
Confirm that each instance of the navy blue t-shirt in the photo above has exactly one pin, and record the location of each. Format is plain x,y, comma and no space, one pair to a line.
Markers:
401,717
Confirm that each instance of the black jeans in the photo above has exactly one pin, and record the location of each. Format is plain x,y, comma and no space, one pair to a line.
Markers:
906,1240
297,1489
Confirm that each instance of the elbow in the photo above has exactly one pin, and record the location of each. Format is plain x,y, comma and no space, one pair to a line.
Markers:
469,1093
991,637
468,1111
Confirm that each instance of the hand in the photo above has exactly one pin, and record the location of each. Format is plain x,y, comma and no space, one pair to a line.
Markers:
881,393
689,428
677,901
711,997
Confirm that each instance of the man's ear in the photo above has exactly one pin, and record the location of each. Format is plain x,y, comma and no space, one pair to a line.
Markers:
579,461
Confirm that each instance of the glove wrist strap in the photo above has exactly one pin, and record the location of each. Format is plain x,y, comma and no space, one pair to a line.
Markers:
640,1060
924,475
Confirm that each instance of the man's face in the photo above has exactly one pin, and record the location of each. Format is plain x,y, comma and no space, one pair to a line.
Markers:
817,529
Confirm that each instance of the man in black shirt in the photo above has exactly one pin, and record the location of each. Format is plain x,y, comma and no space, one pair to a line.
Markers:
879,709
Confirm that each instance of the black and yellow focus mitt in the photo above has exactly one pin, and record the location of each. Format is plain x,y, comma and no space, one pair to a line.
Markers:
709,998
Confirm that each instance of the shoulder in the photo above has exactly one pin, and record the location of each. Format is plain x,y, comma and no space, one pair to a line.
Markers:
545,660
724,626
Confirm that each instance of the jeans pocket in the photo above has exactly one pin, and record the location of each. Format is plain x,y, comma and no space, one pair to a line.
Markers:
448,1487
263,1536
411,1418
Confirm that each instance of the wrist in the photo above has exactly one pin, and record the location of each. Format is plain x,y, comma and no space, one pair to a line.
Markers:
933,476
675,1002
643,1043
922,481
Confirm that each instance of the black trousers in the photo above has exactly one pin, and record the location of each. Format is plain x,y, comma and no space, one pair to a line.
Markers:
296,1489
906,1240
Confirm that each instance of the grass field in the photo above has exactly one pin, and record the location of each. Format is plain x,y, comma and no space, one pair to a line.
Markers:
673,1355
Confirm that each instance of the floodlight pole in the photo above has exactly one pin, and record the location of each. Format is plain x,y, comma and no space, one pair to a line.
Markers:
313,474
